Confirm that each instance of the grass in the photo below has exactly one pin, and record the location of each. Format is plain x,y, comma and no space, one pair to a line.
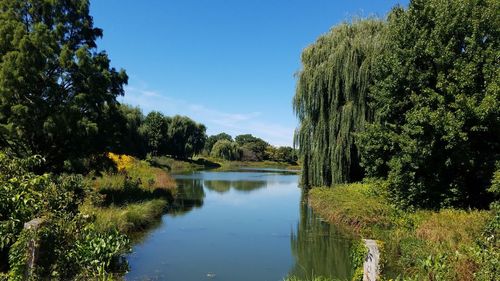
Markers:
129,218
130,199
427,245
148,177
203,163
352,206
183,165
293,278
231,165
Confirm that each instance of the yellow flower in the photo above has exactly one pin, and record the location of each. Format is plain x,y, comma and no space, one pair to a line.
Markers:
122,161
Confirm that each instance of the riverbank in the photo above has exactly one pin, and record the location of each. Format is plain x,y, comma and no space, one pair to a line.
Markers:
421,245
130,199
135,196
208,163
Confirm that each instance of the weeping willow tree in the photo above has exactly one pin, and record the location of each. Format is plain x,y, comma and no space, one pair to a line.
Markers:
331,100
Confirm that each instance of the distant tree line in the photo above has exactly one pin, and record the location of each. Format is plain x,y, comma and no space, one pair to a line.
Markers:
247,148
156,134
414,99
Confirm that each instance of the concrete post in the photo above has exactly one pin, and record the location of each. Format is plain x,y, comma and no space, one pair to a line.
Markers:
371,265
33,246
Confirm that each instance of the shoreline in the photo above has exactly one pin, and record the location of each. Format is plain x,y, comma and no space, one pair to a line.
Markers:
418,244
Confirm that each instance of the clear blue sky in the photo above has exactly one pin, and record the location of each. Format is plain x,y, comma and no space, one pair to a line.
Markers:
228,64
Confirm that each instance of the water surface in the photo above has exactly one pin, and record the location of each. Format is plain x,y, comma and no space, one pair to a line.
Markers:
244,225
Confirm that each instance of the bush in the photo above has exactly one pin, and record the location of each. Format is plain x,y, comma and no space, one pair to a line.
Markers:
26,195
487,249
421,244
358,256
227,150
69,248
436,100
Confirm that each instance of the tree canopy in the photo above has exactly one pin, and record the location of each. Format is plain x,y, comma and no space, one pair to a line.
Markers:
414,99
186,137
227,150
155,132
437,103
211,140
331,100
56,89
253,148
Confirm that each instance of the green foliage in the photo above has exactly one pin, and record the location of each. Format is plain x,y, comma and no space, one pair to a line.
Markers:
70,245
331,101
354,205
95,252
130,200
70,248
155,131
487,250
215,138
178,136
316,278
25,195
423,245
253,148
183,165
281,154
128,218
358,256
186,137
57,91
436,97
495,184
129,139
227,150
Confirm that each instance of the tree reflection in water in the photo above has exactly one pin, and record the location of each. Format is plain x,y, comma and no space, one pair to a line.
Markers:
223,186
190,195
319,249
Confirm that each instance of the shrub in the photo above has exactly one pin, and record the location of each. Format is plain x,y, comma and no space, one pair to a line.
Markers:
26,195
226,150
69,248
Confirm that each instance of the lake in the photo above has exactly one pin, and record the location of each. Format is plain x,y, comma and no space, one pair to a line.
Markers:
251,224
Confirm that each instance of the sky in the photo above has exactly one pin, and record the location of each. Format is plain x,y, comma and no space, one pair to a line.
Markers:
228,64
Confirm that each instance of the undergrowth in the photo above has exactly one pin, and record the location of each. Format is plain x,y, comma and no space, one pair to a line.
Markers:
422,244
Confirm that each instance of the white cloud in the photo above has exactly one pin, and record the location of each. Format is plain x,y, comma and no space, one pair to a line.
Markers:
216,121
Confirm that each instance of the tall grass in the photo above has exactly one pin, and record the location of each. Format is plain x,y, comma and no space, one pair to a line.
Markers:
127,219
147,177
423,244
132,198
294,278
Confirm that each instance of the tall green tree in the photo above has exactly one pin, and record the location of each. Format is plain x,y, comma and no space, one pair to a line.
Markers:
128,139
211,140
281,154
155,130
227,150
437,101
186,137
56,88
331,101
253,148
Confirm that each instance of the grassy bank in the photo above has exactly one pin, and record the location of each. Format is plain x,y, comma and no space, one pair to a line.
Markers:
419,245
183,165
131,198
204,163
313,279
232,165
128,218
